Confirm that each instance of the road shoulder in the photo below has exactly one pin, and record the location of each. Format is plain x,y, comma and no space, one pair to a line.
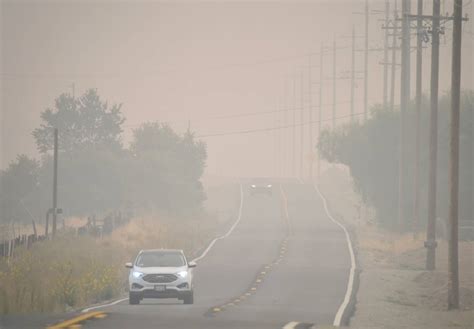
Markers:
395,290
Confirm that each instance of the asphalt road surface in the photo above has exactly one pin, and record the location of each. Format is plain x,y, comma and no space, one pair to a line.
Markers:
284,261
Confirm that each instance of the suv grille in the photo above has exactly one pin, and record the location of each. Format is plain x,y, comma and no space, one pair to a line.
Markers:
160,278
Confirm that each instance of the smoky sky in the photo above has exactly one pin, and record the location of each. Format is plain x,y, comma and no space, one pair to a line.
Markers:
193,63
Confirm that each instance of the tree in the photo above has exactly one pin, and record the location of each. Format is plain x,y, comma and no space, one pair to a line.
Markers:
19,187
91,181
167,168
161,170
370,150
82,122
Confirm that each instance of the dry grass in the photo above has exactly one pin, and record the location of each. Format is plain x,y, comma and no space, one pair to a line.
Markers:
388,242
74,271
147,233
53,276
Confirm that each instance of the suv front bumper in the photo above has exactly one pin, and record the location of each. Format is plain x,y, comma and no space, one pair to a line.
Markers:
177,289
169,293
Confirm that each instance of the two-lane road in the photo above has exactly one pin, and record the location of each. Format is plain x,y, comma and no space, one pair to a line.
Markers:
284,261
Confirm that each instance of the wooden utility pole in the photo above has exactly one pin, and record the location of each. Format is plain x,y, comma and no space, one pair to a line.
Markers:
46,225
334,85
283,131
302,125
275,144
430,243
419,92
55,182
353,73
385,55
293,128
453,283
321,57
278,140
404,102
366,60
283,123
394,57
310,121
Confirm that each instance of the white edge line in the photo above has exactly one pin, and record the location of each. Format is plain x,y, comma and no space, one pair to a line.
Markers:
283,195
291,325
103,305
350,283
204,253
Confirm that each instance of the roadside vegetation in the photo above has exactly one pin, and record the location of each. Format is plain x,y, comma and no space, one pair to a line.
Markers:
156,177
160,170
395,291
75,271
361,186
371,152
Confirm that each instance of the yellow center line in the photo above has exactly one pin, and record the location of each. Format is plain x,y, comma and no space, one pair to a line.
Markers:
74,322
267,268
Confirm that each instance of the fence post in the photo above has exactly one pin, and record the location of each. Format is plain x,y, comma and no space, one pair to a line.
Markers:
11,247
34,227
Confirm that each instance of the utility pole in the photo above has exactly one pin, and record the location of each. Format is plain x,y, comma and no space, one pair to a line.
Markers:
352,73
287,120
334,85
404,102
302,125
282,137
73,89
366,60
55,181
277,143
419,91
293,156
310,121
321,58
385,55
394,57
453,283
430,243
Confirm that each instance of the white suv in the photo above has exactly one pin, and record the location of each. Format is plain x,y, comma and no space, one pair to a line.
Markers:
161,273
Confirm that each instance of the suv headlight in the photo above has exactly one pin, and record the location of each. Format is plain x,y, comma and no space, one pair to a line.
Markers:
269,185
137,274
182,274
254,186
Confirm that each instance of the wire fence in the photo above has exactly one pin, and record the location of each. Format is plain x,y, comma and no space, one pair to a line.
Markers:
95,227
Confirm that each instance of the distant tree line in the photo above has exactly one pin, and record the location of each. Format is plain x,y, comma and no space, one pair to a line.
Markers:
371,151
160,170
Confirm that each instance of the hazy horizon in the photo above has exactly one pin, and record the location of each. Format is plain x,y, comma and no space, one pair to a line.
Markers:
189,61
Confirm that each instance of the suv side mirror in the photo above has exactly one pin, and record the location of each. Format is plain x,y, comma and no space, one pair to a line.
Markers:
192,264
128,265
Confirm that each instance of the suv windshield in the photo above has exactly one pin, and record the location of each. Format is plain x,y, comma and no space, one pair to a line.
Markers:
160,259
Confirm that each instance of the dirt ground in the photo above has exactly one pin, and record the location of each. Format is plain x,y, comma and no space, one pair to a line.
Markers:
395,291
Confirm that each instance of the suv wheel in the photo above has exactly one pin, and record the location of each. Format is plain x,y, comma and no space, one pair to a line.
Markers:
189,299
133,299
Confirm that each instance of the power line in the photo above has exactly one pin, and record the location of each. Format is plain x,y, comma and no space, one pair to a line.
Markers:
78,76
68,76
240,115
250,131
